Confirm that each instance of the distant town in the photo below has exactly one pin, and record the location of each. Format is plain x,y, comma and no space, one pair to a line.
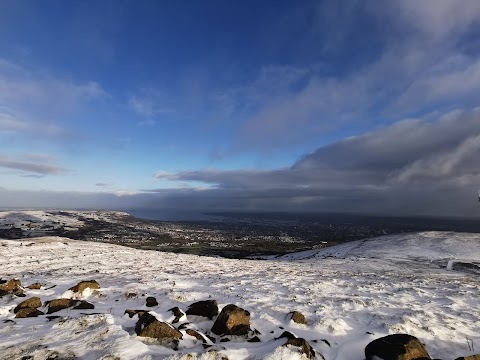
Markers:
231,235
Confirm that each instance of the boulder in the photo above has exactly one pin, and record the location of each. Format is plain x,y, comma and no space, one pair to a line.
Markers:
177,313
149,326
12,286
206,308
28,312
35,286
298,318
59,304
85,284
132,313
396,347
286,334
233,320
196,335
32,303
303,345
83,305
151,301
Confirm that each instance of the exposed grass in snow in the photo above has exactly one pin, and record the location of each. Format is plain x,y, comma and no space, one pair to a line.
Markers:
396,284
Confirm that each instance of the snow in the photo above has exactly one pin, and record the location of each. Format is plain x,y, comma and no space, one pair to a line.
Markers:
350,294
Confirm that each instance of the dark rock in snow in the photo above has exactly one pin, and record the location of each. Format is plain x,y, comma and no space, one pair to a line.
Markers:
303,345
35,286
12,286
196,335
177,313
396,347
59,304
471,357
52,317
151,301
232,320
83,305
254,339
32,303
85,284
298,317
206,308
286,334
132,313
149,326
28,312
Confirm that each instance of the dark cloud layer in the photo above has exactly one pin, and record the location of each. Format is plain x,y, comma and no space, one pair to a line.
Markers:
30,166
413,166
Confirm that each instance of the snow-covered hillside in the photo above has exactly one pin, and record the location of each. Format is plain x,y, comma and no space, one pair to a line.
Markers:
350,295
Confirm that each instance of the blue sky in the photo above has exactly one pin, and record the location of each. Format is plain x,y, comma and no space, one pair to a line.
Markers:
220,104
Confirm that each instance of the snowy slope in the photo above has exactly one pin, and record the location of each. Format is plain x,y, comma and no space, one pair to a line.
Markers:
426,245
374,291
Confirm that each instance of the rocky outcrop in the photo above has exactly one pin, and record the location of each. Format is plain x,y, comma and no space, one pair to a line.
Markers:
298,317
233,320
471,357
396,347
206,308
12,286
32,303
85,284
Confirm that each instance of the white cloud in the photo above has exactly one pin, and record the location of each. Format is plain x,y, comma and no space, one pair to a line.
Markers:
26,89
11,124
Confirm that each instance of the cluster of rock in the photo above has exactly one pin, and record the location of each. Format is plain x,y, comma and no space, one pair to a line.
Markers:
232,323
30,307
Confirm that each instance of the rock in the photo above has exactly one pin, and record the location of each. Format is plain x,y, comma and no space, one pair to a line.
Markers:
396,347
35,286
83,305
32,303
149,326
52,317
206,308
12,286
471,357
286,334
196,335
233,320
298,318
132,313
59,304
28,312
254,339
177,313
85,284
151,301
303,346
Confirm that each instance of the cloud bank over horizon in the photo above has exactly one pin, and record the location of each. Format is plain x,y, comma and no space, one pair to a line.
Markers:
366,107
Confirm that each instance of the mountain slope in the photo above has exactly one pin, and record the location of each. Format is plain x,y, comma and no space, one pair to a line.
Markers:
370,291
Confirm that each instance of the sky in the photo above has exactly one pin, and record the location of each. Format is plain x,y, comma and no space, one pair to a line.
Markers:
354,106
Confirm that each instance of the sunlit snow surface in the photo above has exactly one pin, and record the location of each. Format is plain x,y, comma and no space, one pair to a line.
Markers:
350,295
